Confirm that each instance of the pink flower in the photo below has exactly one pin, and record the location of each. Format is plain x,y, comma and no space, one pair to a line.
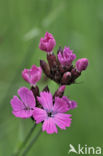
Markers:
71,104
47,43
32,75
66,57
52,114
23,107
81,64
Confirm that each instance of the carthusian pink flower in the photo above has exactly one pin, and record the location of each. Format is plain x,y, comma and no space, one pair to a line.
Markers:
81,64
71,104
52,115
24,106
47,43
32,75
66,56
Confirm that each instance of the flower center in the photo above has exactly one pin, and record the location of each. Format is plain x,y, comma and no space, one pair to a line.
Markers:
28,108
49,114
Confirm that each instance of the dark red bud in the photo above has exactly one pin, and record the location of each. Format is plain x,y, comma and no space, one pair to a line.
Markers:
57,76
45,67
60,91
60,50
66,78
51,60
75,74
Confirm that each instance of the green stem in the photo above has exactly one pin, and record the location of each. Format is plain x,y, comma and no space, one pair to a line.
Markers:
25,141
31,143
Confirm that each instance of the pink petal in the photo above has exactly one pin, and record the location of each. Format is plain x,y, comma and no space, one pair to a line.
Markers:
60,105
45,100
17,104
23,113
62,120
26,75
49,126
27,97
71,104
66,57
19,108
39,115
36,73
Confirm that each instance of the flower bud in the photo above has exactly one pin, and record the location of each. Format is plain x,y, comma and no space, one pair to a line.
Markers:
57,76
45,67
60,91
75,75
60,50
66,78
52,60
47,43
81,64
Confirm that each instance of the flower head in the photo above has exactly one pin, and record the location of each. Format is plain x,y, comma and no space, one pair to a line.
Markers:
52,114
32,75
81,64
23,107
66,56
47,43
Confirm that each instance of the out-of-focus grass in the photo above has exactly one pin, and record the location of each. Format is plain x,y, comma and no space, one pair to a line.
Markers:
75,23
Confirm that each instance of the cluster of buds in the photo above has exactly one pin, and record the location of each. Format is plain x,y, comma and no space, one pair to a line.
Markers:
60,68
42,106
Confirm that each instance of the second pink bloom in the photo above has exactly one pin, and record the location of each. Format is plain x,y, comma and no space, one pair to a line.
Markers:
32,75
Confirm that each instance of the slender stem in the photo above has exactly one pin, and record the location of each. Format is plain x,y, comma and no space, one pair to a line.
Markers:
25,141
31,143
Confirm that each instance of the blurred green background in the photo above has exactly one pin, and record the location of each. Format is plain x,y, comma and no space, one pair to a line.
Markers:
77,23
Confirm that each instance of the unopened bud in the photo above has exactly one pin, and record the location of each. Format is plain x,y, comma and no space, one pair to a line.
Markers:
51,60
66,78
60,91
81,64
75,75
45,67
57,76
60,50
